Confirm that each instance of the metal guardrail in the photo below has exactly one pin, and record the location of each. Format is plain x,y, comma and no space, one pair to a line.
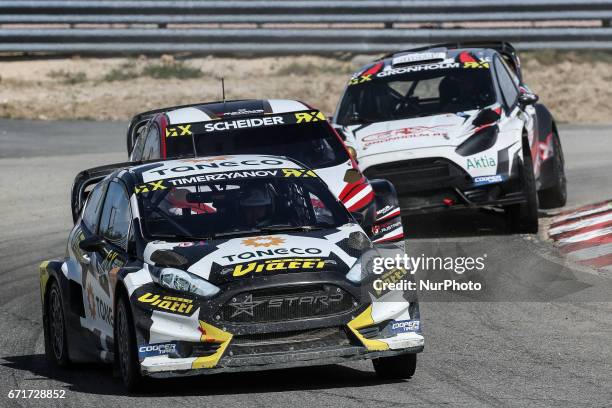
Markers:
294,26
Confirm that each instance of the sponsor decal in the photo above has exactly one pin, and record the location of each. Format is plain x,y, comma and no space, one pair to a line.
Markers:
476,64
481,162
170,304
98,309
271,252
178,130
360,79
405,133
263,241
160,349
276,265
418,68
216,165
481,181
405,326
243,123
384,211
244,111
298,173
314,116
383,229
247,305
151,186
203,178
423,56
208,159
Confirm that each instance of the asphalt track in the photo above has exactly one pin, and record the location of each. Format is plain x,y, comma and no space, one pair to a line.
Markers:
540,335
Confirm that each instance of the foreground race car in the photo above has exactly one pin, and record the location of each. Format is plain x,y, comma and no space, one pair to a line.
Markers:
219,264
452,126
282,127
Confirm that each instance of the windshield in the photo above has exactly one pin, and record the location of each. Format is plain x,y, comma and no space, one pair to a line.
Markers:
415,94
313,144
234,208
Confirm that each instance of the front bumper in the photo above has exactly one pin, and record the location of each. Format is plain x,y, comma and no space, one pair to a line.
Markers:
206,341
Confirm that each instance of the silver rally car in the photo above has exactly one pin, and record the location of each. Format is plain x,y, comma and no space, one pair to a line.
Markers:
216,264
455,126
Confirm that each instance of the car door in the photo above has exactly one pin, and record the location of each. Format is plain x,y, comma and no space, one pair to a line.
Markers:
99,278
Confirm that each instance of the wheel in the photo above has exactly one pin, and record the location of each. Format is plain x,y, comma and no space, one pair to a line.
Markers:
56,342
125,337
523,217
555,196
395,367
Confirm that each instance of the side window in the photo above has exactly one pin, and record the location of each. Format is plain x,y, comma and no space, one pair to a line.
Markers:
151,146
91,212
116,216
506,83
138,146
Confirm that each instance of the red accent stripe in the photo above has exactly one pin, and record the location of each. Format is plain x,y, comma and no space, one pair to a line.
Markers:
598,262
392,238
163,124
374,69
350,190
389,216
603,239
578,231
363,202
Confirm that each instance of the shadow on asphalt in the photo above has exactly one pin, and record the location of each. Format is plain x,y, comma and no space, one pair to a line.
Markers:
455,223
98,379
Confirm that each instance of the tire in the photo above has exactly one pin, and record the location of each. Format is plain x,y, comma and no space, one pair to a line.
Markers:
56,341
555,196
395,367
125,336
523,217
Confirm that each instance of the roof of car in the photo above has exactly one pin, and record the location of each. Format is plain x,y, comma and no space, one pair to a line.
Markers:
233,109
224,167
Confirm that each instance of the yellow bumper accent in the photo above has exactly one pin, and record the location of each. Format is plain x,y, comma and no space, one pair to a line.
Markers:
365,320
212,334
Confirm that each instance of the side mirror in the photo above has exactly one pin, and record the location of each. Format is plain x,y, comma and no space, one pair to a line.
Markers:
95,243
352,176
358,217
527,98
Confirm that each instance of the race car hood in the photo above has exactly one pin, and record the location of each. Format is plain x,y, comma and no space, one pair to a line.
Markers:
416,133
221,261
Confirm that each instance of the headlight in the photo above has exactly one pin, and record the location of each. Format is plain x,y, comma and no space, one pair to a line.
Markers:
478,142
354,274
182,281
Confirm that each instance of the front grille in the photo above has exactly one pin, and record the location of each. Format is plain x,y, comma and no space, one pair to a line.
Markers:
289,341
420,174
284,304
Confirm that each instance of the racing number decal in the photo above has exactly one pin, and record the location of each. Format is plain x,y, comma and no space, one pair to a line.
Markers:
179,130
309,117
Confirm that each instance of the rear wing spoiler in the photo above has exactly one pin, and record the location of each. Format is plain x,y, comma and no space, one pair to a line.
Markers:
88,178
506,49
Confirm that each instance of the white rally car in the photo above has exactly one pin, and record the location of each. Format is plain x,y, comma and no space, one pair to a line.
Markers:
454,126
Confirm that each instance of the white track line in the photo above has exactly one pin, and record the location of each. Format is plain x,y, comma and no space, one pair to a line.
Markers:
580,224
586,236
604,207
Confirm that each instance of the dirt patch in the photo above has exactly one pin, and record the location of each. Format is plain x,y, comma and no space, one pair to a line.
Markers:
576,87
